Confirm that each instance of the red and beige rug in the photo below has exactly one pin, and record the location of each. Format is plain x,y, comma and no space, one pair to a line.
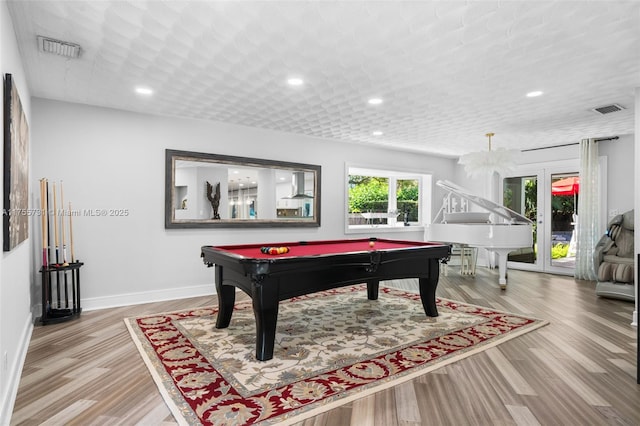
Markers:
331,348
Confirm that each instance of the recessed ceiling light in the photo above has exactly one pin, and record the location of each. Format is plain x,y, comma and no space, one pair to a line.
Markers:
142,90
377,133
375,101
534,94
295,81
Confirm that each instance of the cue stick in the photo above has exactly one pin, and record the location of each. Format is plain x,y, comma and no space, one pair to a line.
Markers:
46,285
56,238
43,224
49,245
74,284
73,257
64,244
46,183
61,220
46,217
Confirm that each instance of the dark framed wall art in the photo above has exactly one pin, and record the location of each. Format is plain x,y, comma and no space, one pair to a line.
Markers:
16,168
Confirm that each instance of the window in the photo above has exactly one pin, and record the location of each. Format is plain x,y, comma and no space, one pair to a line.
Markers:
385,198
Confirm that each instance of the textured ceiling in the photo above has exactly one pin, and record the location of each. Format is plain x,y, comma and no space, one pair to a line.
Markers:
448,71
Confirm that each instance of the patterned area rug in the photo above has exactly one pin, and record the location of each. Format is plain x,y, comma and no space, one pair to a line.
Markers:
331,348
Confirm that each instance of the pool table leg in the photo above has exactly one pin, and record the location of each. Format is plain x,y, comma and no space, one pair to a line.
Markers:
265,309
428,287
372,289
226,300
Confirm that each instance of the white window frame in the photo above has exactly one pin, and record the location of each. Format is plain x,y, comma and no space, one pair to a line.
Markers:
425,183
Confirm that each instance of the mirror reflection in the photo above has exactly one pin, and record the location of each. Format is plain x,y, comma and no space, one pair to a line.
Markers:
214,190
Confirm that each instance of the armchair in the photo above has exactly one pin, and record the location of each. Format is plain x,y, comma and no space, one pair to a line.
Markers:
613,259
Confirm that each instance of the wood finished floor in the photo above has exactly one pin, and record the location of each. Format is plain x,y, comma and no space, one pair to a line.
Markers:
578,370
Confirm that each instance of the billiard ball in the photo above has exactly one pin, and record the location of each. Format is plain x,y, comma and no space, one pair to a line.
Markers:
372,243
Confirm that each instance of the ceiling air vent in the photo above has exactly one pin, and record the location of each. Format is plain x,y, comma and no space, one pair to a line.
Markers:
608,109
58,47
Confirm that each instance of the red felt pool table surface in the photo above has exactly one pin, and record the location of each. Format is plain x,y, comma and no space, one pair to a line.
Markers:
319,248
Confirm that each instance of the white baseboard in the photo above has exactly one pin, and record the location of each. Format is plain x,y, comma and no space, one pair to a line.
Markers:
137,298
15,372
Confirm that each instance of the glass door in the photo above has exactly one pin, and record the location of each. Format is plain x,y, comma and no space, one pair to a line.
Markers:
547,194
520,193
565,188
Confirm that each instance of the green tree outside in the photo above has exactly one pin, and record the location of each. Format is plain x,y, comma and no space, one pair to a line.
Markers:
368,193
371,194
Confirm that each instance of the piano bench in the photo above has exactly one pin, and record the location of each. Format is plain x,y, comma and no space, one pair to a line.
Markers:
468,258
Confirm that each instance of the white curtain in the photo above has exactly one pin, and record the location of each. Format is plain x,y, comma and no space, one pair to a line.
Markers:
588,228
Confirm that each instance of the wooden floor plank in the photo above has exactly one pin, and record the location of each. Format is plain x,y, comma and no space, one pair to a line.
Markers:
590,396
522,416
625,366
571,352
363,412
595,338
69,413
41,405
509,372
406,403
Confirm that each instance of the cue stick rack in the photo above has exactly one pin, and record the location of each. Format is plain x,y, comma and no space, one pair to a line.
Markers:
60,274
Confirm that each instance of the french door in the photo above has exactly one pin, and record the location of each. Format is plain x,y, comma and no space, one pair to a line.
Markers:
548,195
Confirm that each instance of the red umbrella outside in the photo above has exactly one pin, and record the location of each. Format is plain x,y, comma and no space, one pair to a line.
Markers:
566,186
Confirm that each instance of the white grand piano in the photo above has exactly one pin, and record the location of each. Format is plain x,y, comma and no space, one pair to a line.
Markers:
497,229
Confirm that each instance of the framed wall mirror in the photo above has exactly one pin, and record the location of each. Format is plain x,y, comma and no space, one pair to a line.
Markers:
209,190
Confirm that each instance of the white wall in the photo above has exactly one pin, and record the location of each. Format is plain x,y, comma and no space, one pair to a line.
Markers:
111,159
620,170
16,269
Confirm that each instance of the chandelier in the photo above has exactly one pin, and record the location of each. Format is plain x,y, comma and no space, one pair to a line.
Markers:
482,163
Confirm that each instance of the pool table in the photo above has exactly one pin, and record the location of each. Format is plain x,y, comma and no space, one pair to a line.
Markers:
314,266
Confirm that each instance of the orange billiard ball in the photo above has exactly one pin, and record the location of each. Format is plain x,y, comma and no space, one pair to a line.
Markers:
372,243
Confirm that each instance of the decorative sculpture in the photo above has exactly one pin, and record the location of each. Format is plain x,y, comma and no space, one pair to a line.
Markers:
214,199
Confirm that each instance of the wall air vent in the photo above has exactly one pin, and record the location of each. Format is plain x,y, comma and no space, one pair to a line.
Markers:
607,109
58,47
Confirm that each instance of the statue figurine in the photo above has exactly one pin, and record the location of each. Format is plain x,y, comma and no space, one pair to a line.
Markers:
214,199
